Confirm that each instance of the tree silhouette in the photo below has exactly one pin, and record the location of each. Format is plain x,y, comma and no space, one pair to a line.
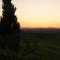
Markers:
8,22
9,27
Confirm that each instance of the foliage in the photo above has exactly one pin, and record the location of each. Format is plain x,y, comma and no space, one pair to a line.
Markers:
35,46
9,30
8,22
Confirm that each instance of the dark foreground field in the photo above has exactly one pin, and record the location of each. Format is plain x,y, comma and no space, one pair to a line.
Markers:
38,45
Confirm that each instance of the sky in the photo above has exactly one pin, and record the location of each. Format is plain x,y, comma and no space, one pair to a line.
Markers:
37,13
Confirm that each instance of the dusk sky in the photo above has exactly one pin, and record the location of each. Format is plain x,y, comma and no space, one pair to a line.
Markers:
37,13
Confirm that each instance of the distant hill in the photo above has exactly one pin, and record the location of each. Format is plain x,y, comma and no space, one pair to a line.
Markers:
44,30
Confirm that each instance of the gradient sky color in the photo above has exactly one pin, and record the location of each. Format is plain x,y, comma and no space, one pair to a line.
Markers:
37,13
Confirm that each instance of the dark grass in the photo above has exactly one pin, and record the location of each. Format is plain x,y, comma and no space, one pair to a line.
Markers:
40,46
35,46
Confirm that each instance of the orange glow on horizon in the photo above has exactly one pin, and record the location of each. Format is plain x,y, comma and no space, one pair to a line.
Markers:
39,23
37,13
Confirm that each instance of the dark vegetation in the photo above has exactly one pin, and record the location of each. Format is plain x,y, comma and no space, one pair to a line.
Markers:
9,31
26,44
40,44
8,23
9,27
36,45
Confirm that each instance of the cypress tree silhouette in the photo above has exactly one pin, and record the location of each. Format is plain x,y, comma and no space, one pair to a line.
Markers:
9,26
9,22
